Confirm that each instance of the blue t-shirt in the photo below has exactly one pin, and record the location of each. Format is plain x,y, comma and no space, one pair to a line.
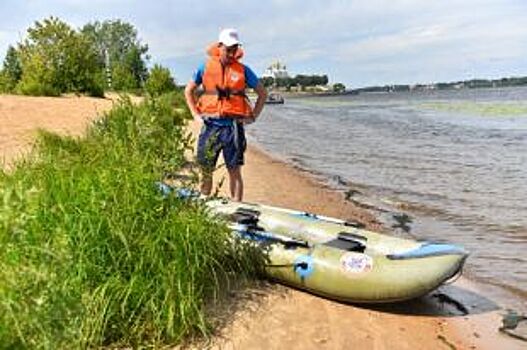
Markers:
250,78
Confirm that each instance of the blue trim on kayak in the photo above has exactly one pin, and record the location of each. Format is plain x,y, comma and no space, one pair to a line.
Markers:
252,236
429,249
182,192
187,193
164,188
304,266
306,216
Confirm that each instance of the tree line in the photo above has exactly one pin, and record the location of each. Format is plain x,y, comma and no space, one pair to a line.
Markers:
465,84
299,80
55,58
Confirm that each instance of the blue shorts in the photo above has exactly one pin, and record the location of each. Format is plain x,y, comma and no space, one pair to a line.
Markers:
225,135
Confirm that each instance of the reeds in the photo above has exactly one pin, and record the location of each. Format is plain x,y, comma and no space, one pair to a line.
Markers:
93,255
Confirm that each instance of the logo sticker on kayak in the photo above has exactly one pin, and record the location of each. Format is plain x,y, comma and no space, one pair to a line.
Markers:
356,263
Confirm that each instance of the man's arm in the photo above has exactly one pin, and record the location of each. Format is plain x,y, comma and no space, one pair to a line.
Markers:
262,96
190,97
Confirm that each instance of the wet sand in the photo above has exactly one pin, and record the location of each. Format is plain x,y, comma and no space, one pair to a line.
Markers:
277,317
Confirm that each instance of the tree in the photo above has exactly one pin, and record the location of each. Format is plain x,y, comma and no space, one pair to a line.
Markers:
339,87
4,85
136,65
12,70
119,51
267,81
284,82
159,81
56,59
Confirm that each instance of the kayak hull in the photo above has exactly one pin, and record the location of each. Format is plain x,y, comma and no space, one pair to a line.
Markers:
361,277
327,256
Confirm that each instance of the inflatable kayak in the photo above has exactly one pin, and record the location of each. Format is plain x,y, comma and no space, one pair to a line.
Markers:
339,259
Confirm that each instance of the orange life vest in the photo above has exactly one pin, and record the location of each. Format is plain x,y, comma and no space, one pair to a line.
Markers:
224,86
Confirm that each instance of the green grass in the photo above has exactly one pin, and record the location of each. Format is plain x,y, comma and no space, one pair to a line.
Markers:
486,109
92,255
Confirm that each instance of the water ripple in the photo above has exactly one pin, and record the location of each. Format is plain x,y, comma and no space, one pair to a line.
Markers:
440,156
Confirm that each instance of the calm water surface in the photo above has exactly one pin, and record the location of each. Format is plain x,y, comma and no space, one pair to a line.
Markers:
454,161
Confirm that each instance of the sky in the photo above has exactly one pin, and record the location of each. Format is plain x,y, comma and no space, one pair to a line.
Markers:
356,42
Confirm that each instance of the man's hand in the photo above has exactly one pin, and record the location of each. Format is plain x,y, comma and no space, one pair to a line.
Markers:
191,99
248,120
262,95
197,122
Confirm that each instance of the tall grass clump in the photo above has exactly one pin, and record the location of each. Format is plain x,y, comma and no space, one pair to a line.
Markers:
92,255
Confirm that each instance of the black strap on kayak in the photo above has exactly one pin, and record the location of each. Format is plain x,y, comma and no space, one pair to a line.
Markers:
355,224
250,217
288,243
248,211
259,234
246,216
294,243
348,236
301,265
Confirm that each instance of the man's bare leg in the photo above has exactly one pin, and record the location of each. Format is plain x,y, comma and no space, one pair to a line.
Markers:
236,183
206,183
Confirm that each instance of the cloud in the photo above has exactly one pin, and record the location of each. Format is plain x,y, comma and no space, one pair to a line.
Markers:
354,41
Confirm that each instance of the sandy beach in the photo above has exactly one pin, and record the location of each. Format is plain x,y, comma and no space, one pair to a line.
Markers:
279,317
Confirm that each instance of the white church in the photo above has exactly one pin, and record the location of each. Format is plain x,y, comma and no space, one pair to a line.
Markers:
276,70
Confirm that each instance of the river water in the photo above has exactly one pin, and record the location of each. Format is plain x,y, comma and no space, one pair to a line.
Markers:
440,165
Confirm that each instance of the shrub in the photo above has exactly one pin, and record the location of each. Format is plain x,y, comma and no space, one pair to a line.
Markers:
159,81
123,79
56,59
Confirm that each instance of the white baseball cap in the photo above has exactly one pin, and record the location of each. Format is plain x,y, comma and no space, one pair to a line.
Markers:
229,37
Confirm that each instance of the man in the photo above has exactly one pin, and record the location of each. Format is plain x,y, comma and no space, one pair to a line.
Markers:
224,109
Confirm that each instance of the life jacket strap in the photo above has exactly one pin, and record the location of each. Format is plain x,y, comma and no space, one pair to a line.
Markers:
225,93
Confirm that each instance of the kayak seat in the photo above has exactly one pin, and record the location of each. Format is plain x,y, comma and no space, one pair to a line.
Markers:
245,216
248,211
349,242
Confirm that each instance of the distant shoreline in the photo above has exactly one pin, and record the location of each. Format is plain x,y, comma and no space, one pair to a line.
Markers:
391,88
456,85
298,94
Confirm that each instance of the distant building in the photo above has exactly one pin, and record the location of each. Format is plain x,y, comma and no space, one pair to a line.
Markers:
276,70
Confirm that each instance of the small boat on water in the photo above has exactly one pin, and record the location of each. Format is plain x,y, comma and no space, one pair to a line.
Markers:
274,98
